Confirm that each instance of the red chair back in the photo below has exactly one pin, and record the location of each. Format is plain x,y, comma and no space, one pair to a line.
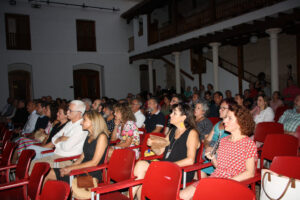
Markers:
62,191
6,137
7,153
298,134
162,181
264,128
279,112
218,188
120,165
36,179
144,146
24,163
214,120
279,145
286,165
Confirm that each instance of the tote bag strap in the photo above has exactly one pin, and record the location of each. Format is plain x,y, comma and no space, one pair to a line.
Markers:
269,179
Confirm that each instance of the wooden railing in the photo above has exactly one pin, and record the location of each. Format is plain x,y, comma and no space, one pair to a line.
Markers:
220,11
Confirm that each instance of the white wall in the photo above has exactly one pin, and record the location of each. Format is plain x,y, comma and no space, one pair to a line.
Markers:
54,48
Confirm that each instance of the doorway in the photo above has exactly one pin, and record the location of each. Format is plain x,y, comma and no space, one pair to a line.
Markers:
19,84
86,84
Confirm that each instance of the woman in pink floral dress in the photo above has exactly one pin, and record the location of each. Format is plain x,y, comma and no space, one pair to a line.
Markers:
125,129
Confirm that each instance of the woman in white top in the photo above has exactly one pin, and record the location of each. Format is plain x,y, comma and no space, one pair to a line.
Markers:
262,112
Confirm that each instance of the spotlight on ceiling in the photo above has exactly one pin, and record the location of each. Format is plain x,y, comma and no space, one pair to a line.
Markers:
204,49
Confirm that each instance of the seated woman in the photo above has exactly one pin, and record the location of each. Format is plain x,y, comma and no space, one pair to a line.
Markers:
204,125
276,102
94,148
41,135
61,120
184,143
237,153
216,134
125,129
262,112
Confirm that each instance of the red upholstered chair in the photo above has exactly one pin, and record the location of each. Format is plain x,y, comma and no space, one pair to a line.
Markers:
275,145
287,166
119,168
28,188
264,128
55,190
279,112
214,120
218,188
21,168
6,137
6,156
162,181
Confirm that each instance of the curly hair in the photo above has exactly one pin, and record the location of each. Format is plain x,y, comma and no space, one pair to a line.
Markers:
244,119
126,112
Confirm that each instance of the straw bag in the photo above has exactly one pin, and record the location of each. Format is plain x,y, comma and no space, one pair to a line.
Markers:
276,187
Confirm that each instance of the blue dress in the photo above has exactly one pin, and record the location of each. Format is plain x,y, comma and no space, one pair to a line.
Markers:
215,137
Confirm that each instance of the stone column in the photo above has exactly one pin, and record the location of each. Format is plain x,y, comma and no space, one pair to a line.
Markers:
215,52
177,72
273,32
150,73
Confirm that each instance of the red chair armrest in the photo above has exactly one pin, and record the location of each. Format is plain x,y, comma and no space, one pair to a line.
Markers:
117,186
88,169
135,147
67,158
153,157
14,184
195,167
2,168
114,142
252,180
47,151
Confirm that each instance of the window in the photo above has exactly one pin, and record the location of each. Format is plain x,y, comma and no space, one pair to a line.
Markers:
86,36
17,32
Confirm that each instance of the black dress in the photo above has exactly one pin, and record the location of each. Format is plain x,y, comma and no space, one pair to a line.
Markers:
178,150
89,151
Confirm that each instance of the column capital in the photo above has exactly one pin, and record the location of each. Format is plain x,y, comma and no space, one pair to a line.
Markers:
176,53
272,31
150,60
214,44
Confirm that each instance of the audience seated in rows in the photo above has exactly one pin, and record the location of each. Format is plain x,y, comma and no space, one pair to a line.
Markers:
276,102
69,140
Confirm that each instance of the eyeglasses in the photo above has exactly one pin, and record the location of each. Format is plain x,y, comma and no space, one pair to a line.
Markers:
223,108
69,110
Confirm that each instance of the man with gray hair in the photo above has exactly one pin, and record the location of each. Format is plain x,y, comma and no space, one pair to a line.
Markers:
68,141
136,105
88,103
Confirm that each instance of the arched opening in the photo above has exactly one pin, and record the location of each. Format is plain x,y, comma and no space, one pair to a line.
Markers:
88,81
20,81
19,84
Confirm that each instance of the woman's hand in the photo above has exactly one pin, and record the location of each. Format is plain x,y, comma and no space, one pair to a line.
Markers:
65,171
117,122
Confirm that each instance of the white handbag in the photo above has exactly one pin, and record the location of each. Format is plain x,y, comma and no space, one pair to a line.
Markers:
277,187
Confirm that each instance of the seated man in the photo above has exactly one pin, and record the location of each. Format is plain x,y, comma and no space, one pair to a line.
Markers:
291,118
214,107
155,120
32,118
43,120
136,109
69,140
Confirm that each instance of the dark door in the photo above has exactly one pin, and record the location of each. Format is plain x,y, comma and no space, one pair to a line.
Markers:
86,84
19,84
144,78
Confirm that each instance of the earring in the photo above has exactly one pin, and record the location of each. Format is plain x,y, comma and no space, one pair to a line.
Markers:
181,125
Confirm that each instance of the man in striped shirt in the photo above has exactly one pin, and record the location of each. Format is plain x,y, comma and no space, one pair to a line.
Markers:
291,118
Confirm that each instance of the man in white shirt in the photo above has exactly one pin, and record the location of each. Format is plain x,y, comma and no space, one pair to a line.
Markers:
139,116
32,118
69,140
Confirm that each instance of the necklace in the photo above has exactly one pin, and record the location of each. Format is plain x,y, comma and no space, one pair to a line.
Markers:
171,146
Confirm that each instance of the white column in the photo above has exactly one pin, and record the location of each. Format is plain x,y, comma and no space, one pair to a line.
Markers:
150,72
273,32
177,72
215,52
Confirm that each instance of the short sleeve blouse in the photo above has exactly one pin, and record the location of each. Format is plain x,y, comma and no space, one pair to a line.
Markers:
232,157
130,129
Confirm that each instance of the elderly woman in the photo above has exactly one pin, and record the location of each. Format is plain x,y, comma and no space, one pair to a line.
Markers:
204,125
262,112
184,142
236,154
125,129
